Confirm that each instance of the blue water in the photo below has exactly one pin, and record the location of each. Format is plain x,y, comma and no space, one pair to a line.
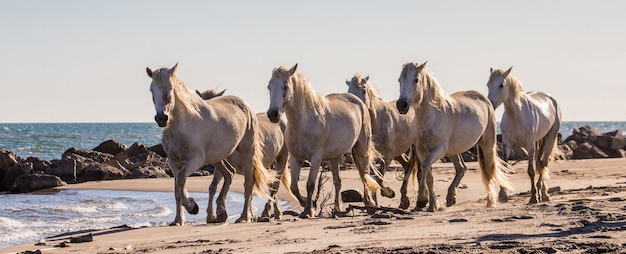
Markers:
31,217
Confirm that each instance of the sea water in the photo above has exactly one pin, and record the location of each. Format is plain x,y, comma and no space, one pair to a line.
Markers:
35,216
30,217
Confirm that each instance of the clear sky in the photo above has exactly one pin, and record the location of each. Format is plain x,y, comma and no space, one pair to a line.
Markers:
84,61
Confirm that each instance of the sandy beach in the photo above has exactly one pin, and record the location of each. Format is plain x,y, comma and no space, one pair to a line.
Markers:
586,214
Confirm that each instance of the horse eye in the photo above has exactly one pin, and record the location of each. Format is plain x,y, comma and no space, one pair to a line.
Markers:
501,85
415,80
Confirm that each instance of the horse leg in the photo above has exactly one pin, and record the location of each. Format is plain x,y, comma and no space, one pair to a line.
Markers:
222,214
334,167
547,145
460,168
407,165
217,177
532,155
295,166
182,196
281,164
427,177
309,210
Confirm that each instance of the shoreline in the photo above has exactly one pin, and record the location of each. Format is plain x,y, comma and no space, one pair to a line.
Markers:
588,212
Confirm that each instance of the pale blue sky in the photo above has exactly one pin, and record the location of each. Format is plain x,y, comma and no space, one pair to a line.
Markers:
84,61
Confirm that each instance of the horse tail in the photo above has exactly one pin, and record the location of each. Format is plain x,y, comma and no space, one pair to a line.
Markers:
370,157
286,180
262,176
493,168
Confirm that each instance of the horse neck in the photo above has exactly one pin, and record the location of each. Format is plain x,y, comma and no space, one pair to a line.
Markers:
186,103
432,95
513,103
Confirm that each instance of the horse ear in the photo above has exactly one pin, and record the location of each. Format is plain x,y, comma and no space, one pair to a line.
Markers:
149,72
199,93
348,83
367,78
293,70
507,72
421,66
173,69
490,69
221,93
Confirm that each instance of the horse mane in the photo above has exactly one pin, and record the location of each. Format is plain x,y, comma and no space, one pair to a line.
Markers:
515,86
189,99
437,97
371,94
305,98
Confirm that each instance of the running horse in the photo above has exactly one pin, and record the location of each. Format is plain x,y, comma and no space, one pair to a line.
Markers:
449,125
394,134
274,152
321,129
531,121
198,132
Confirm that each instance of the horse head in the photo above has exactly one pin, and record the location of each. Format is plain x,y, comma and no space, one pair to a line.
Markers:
162,93
280,87
358,86
499,87
409,86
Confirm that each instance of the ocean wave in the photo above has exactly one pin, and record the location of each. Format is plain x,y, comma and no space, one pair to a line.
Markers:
107,204
157,212
89,221
10,223
74,208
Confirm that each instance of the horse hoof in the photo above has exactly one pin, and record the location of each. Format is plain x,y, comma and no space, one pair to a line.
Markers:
306,216
421,204
387,192
221,218
503,197
195,208
404,203
532,201
210,219
176,223
450,202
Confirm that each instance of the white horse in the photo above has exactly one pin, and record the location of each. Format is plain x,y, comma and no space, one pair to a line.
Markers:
394,134
531,121
449,125
321,129
274,152
197,133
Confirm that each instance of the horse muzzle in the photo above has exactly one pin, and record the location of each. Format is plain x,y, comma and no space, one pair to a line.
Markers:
161,119
274,115
403,106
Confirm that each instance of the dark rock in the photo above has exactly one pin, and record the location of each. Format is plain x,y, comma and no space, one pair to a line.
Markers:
158,149
137,149
583,134
91,154
8,159
12,173
39,165
100,171
588,151
82,239
150,172
64,168
563,152
111,147
34,182
351,196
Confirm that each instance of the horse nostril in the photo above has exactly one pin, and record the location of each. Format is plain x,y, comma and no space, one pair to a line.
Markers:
402,105
273,115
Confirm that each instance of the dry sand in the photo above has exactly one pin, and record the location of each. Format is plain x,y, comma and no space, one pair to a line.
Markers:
587,215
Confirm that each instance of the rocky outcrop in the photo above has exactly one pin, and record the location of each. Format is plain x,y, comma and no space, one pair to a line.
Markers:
109,160
35,182
588,143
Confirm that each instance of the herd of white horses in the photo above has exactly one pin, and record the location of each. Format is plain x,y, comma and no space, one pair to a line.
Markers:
425,123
